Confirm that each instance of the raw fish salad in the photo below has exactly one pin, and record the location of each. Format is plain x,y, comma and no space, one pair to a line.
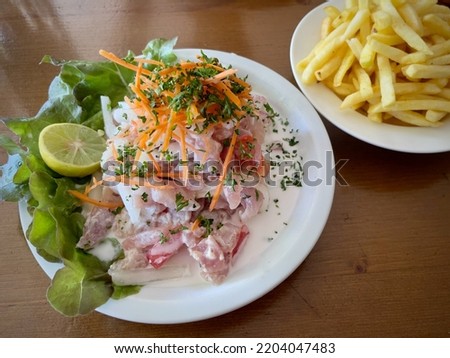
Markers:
182,173
183,169
186,166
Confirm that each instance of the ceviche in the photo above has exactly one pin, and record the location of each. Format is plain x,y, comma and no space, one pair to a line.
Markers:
183,169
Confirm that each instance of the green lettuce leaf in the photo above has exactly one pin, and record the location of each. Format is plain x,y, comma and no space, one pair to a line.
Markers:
83,283
80,286
161,50
124,291
12,173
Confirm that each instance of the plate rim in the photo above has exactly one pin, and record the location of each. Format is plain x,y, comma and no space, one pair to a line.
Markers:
279,271
391,137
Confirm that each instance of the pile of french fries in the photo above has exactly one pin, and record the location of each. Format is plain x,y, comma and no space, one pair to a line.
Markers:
388,59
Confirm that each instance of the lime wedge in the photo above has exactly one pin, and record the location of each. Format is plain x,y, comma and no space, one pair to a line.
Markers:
71,149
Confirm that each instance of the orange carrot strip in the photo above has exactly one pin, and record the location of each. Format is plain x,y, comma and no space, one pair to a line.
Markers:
110,56
183,154
149,61
178,138
231,96
87,199
90,187
168,136
226,162
220,76
155,163
114,150
137,91
216,196
138,76
195,224
154,138
240,82
182,65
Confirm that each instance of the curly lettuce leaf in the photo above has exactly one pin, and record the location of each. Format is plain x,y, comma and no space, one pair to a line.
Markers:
161,50
124,291
83,283
13,172
80,286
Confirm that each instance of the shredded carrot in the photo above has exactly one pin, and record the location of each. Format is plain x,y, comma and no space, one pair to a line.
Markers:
149,61
113,58
155,163
95,183
165,114
138,77
168,132
231,96
183,154
221,75
182,65
216,196
114,150
226,163
87,199
195,224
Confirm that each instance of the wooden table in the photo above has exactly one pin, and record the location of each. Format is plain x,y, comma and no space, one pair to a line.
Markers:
381,267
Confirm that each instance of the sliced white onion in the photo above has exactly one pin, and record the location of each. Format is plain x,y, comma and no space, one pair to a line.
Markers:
146,275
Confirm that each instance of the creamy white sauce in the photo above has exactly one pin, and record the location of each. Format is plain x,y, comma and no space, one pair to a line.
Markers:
105,251
265,228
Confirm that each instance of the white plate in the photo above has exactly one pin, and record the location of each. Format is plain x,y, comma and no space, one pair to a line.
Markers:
263,264
399,138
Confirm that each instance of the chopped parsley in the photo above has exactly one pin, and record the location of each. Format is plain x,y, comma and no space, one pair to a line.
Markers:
163,238
180,201
207,224
178,229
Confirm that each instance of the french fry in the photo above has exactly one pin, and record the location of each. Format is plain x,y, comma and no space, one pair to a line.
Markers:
437,25
344,16
418,87
381,21
343,90
367,57
413,118
356,23
355,46
403,30
326,27
375,117
414,105
332,12
319,60
424,7
390,40
365,84
445,93
441,60
415,57
434,116
409,14
346,64
386,82
391,52
417,71
330,67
